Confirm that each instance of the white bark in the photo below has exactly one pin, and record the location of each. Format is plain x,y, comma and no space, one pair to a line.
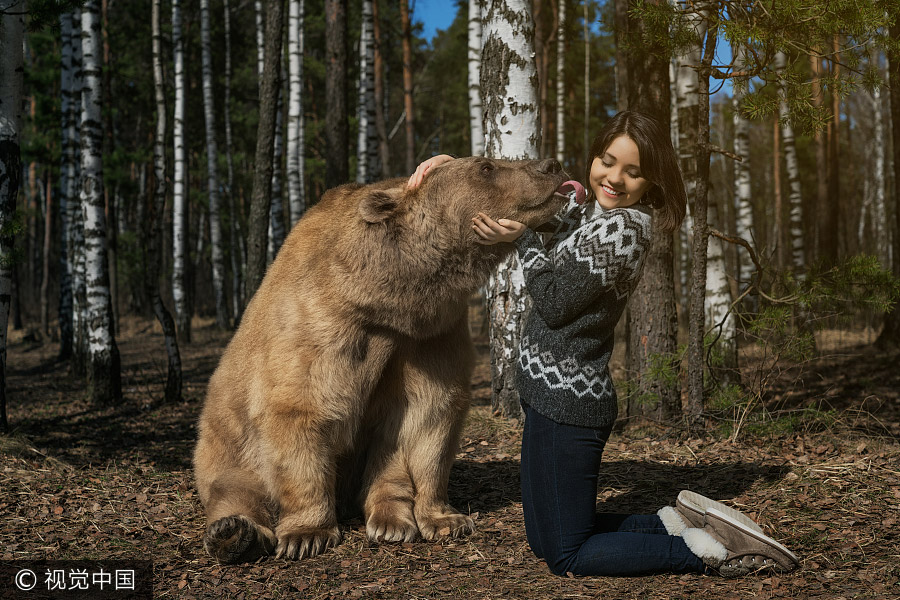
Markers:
212,171
180,251
510,103
561,83
742,176
75,230
101,341
476,118
718,296
876,197
795,198
295,142
367,169
260,36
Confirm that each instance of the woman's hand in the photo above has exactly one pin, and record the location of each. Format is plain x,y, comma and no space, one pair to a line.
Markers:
491,232
416,178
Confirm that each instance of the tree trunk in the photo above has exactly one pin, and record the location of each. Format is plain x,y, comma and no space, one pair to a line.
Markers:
822,205
367,169
742,192
587,87
212,170
511,132
295,142
337,169
697,318
621,69
181,262
652,318
476,118
66,185
105,374
153,227
235,254
12,34
890,334
276,206
406,29
792,171
265,148
110,201
45,255
781,255
830,215
561,84
545,17
384,154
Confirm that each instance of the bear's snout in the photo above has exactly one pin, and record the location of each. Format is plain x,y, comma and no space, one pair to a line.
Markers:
549,166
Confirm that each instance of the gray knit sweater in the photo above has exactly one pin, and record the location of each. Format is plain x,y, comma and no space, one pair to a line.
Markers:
579,283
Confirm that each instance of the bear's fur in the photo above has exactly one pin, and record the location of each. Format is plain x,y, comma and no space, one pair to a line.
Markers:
349,376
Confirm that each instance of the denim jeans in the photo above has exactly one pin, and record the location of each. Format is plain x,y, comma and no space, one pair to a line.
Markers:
560,469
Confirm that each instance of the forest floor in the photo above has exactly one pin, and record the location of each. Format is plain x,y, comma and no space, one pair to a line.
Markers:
77,482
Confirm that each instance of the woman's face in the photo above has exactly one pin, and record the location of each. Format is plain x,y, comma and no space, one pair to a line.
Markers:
616,175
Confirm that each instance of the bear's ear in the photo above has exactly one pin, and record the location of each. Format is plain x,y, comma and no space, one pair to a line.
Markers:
378,206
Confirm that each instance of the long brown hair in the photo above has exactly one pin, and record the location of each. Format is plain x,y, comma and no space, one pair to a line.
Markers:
659,165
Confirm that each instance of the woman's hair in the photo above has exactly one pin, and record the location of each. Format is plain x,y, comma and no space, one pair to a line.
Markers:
659,165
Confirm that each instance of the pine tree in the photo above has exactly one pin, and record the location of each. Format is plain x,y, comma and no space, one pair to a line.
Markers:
337,170
406,32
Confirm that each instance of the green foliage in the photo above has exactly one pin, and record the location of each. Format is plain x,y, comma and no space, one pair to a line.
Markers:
799,28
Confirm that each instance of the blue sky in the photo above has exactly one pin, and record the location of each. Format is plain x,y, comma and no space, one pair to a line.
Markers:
434,15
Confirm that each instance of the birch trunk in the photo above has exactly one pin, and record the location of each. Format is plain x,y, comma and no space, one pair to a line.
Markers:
154,227
890,334
476,118
235,253
367,136
742,176
105,373
561,83
406,28
295,142
212,171
881,232
66,180
180,212
265,142
75,238
12,34
792,172
511,132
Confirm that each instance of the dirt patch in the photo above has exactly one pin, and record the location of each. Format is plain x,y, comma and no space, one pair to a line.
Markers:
87,483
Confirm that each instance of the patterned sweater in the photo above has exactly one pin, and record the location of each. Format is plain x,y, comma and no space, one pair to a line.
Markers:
579,283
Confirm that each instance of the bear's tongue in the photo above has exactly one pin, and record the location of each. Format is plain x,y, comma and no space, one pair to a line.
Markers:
572,186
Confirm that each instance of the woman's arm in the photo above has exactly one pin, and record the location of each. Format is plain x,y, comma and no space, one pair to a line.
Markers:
416,178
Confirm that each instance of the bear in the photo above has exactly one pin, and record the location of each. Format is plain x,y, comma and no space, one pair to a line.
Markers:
347,381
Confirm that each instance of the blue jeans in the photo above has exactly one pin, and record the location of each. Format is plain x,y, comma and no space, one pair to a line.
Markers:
560,467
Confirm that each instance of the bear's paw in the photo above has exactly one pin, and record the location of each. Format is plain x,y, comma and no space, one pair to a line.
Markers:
388,526
445,525
237,539
306,542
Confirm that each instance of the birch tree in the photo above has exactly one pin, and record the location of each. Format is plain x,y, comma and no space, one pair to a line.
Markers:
12,33
367,135
75,228
742,173
212,172
295,141
476,125
561,83
105,372
154,227
792,172
510,103
180,222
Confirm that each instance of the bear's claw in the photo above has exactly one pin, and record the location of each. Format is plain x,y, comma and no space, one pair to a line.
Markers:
307,542
235,539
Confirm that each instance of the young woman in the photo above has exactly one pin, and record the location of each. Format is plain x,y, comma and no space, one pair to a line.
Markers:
580,281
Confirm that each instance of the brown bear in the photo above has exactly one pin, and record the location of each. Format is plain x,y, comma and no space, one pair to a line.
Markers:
348,378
